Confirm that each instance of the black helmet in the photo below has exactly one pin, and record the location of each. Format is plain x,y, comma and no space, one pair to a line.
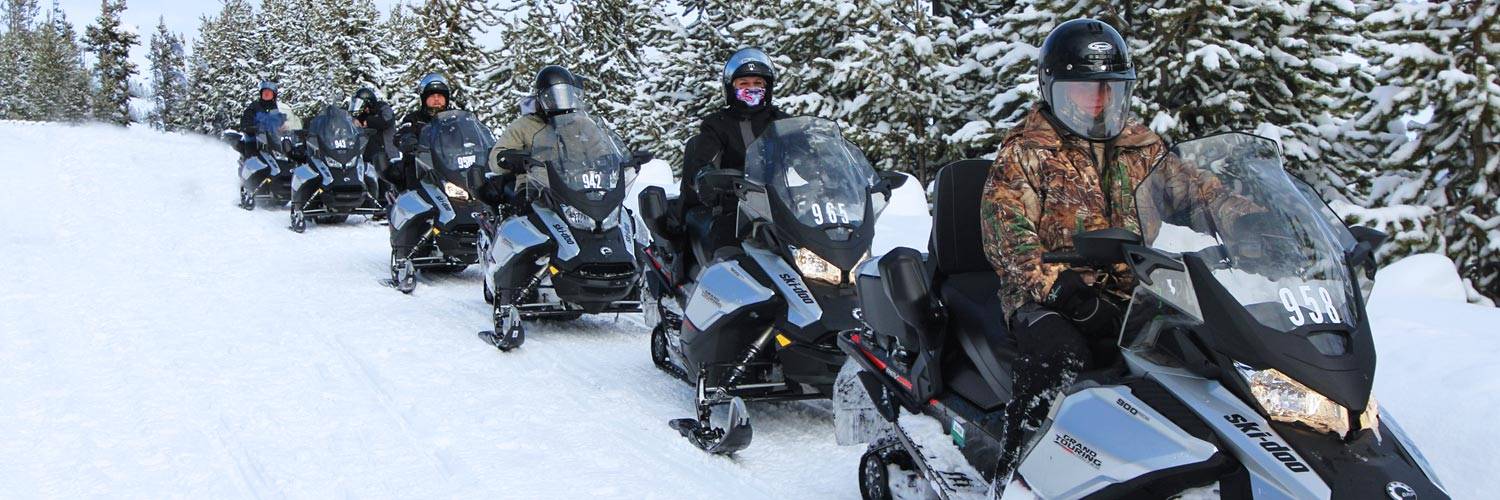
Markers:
748,62
557,90
268,85
1086,78
362,98
433,83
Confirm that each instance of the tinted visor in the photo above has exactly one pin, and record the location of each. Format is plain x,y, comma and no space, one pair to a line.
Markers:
356,104
1095,110
561,97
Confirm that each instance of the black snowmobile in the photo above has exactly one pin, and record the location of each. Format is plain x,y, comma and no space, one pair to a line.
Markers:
436,225
336,182
757,320
266,177
573,251
1244,364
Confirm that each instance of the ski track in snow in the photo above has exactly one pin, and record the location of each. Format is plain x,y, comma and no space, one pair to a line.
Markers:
158,342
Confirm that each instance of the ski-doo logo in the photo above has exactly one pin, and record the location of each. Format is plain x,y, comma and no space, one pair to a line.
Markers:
1268,442
562,231
1398,490
605,251
1078,449
796,286
1101,47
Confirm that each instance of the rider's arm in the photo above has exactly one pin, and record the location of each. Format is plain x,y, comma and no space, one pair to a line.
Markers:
1009,211
702,151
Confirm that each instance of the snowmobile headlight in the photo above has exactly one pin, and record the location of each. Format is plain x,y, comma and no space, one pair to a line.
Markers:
815,268
455,191
576,217
1286,400
611,221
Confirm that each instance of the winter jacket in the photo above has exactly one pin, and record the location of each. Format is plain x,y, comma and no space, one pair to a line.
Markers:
251,119
517,137
721,144
1045,187
379,116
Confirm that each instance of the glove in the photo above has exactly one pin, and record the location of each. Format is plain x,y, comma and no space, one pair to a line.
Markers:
1074,297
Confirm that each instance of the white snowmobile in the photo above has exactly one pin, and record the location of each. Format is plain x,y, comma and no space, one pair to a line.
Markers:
336,182
573,252
1244,365
756,321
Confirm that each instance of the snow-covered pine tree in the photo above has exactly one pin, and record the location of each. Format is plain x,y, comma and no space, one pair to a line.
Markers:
687,58
450,47
168,78
353,37
400,49
996,72
58,84
615,38
535,33
110,42
224,69
1437,182
881,83
16,59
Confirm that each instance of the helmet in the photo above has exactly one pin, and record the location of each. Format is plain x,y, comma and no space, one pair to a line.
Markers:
557,90
362,98
748,62
433,83
1086,78
268,85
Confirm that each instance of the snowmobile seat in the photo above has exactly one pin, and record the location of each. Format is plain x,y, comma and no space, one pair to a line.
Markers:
968,284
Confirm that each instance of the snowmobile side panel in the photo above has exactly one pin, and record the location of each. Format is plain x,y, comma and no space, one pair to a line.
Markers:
567,245
303,175
802,308
723,288
1102,436
409,206
444,206
1276,470
251,166
515,235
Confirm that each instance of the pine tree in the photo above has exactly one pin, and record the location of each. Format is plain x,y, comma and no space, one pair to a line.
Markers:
1442,175
536,34
168,78
16,59
615,37
683,81
399,55
996,71
224,68
450,48
59,82
111,43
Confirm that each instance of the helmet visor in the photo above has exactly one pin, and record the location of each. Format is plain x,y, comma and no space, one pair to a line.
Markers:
561,97
746,56
356,104
1095,110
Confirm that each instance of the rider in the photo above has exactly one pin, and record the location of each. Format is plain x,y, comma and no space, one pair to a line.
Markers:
434,96
257,113
1070,166
372,113
556,91
749,82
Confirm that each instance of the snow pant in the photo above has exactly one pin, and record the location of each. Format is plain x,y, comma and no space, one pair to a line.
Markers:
1050,353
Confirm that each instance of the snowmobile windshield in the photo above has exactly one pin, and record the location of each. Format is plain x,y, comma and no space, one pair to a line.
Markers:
820,178
584,161
272,126
1094,110
1227,200
458,143
337,135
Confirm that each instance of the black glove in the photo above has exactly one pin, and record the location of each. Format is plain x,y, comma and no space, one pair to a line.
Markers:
1083,304
492,192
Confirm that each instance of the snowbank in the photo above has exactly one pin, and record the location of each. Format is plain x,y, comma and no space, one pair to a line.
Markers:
1426,275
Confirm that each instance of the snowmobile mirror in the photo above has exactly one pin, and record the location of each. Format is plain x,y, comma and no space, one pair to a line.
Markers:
1364,234
719,180
641,157
904,277
888,180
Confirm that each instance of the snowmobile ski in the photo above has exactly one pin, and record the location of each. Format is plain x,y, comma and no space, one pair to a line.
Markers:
716,440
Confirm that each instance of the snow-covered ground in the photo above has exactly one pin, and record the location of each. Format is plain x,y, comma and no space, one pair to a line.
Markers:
157,341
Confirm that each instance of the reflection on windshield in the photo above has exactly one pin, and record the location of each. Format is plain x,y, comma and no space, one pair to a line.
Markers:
585,156
458,141
822,179
1227,200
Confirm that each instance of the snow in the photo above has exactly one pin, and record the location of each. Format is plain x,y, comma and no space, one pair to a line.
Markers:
157,341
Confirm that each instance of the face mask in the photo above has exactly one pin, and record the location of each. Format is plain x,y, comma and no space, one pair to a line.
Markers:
751,97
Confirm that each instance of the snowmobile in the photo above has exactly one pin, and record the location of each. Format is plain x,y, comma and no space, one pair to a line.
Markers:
336,182
573,251
756,320
266,177
1244,363
435,227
